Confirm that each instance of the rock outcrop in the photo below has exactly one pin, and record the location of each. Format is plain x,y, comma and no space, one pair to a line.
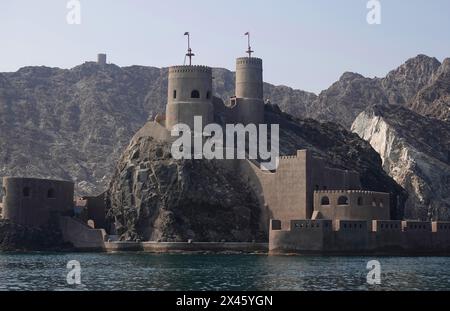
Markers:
154,197
416,152
14,237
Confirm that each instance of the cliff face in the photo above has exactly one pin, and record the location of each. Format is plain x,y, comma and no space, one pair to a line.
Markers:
416,152
154,197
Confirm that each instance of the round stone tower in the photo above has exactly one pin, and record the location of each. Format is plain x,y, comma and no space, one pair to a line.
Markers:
189,95
33,202
249,90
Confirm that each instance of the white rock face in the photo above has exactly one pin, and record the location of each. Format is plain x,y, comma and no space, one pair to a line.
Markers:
411,160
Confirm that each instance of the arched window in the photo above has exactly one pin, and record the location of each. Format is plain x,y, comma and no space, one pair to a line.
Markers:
208,95
381,203
26,192
51,194
374,202
360,201
343,200
4,191
195,94
325,201
174,94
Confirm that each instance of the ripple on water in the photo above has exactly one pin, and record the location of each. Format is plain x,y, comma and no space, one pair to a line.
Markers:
140,271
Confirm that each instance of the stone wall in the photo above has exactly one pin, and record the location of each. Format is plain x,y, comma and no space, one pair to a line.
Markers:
351,205
189,95
96,210
288,193
383,237
33,202
80,235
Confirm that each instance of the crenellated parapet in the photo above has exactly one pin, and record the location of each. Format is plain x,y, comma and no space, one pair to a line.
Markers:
349,192
190,69
390,237
249,61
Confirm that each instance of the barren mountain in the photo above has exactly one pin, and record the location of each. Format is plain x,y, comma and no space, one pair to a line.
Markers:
353,93
416,152
434,99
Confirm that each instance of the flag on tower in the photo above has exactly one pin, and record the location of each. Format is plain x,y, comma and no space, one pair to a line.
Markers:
186,33
246,34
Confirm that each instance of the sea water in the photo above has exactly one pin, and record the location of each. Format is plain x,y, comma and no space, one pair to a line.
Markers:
144,271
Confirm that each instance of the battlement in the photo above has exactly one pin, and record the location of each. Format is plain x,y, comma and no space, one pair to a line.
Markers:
249,61
361,192
364,225
288,157
194,69
299,154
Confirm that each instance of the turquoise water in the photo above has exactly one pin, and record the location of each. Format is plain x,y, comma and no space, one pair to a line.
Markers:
140,271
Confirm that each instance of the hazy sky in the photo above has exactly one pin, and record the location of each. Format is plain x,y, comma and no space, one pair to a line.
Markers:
305,44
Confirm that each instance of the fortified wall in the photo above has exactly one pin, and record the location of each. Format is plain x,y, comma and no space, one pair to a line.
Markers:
33,202
347,236
351,204
288,193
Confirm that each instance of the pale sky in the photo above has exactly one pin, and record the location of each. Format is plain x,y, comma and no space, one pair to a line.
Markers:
305,44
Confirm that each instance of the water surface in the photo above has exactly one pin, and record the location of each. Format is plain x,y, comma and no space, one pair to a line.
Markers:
143,271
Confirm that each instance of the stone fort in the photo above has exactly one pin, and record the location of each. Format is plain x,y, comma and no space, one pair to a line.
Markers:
305,205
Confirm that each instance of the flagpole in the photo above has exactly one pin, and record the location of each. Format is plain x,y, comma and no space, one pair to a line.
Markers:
189,53
249,51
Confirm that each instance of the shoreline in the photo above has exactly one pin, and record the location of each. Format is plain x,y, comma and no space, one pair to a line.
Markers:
225,248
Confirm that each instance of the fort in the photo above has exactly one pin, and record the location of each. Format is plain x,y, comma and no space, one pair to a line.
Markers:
306,206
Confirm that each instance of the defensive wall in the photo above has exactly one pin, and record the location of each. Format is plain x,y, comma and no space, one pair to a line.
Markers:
35,202
288,192
351,204
355,236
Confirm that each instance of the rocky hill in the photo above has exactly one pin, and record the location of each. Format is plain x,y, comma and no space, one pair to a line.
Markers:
14,237
154,197
416,152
